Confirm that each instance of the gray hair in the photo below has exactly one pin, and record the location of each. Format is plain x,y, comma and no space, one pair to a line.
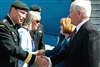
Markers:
83,5
30,17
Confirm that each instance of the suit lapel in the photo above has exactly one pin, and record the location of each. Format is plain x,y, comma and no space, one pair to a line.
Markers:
77,36
60,45
74,41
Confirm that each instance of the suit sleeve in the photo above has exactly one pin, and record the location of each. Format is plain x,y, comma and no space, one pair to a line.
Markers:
8,43
58,57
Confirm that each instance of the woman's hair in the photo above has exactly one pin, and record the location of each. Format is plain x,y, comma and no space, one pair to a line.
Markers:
67,26
30,17
84,6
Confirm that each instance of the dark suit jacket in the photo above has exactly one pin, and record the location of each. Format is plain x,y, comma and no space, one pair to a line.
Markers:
57,48
83,51
9,45
38,37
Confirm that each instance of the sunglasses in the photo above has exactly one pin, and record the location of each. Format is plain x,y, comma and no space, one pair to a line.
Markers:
37,21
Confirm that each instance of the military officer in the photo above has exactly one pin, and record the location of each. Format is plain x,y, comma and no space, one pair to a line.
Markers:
9,39
38,35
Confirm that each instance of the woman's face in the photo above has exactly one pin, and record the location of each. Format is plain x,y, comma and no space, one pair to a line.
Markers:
35,24
61,31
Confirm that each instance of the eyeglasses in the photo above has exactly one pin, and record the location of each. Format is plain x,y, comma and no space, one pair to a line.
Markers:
37,21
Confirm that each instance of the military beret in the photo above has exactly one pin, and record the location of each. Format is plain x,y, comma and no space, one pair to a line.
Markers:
35,8
20,5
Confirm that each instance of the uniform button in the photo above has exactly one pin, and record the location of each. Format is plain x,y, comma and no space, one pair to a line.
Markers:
15,39
12,32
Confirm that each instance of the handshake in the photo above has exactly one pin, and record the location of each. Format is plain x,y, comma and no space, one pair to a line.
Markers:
41,59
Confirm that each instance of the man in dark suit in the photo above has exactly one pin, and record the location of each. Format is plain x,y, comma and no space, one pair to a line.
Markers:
38,35
84,49
9,38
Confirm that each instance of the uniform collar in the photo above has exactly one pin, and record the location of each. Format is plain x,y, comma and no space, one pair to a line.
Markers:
10,20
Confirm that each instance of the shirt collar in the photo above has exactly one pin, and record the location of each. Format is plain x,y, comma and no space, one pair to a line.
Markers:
80,24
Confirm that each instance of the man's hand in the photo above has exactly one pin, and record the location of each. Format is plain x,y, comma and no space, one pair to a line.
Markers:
42,61
41,52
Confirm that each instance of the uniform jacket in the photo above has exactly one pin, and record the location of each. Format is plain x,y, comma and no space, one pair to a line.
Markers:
83,50
38,37
9,45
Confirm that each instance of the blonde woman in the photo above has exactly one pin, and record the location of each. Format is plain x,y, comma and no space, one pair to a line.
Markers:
66,29
26,43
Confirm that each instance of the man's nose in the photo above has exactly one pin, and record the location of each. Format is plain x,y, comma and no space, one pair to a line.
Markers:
24,16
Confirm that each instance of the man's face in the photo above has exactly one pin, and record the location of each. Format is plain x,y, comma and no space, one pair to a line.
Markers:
19,16
74,16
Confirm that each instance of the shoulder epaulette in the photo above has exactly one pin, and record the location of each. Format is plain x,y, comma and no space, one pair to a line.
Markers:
1,25
4,20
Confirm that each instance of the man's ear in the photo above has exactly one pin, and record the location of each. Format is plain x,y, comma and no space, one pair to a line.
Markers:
12,9
79,12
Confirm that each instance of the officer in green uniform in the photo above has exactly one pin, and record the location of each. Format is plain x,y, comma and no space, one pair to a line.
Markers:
9,39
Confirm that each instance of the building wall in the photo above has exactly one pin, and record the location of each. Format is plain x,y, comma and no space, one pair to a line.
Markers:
95,14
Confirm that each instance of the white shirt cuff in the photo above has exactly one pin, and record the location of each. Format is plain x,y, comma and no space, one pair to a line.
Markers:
50,63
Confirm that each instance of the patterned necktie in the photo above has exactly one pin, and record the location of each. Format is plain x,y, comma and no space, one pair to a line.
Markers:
73,34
